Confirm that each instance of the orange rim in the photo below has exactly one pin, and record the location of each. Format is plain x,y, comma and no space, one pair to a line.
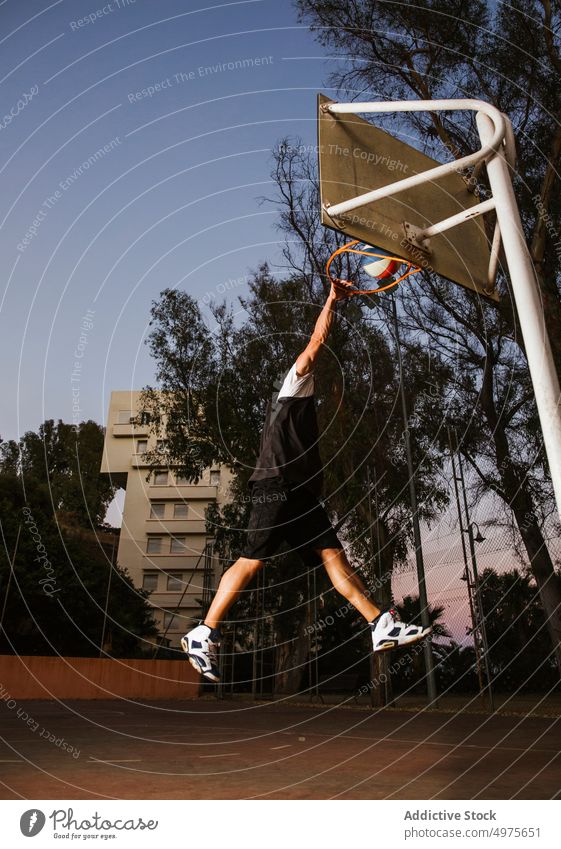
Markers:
350,248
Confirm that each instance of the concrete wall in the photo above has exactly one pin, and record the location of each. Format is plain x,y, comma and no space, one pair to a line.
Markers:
94,678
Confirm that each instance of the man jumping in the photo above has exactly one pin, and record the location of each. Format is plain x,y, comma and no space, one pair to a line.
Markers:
285,487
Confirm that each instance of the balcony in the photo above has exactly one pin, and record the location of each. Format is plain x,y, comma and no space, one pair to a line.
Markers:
187,492
173,562
129,429
139,461
195,525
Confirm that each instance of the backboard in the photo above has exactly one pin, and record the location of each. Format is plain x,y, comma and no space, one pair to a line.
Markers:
356,157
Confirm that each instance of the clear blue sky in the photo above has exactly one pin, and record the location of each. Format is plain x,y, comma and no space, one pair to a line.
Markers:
169,196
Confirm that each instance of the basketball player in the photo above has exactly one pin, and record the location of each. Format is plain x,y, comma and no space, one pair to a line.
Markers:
285,488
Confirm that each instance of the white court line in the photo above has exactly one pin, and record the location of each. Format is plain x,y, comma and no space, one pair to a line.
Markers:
224,755
399,740
343,736
275,748
123,761
489,748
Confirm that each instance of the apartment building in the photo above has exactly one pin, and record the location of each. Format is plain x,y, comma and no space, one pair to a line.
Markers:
163,541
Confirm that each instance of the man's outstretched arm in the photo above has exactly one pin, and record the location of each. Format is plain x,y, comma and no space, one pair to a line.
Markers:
307,359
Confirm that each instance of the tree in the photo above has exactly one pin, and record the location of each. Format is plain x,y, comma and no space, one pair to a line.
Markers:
507,55
53,591
379,478
67,458
410,611
455,668
410,670
520,653
212,412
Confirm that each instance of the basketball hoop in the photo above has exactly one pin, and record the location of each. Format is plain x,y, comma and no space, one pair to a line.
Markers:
380,271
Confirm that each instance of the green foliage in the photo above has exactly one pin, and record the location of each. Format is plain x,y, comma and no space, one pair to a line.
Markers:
67,459
409,664
342,636
519,646
509,55
214,396
54,599
455,668
410,611
219,419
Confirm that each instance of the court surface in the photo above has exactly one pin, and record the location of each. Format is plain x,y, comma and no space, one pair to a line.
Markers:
222,750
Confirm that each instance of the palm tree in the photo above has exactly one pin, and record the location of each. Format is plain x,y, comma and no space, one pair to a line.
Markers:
410,611
411,668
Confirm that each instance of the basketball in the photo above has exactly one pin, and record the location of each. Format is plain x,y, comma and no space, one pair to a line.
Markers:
380,268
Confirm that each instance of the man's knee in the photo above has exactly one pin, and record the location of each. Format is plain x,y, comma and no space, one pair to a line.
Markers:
249,565
329,555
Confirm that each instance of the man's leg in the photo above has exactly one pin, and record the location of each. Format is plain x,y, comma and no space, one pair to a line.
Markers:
201,644
387,631
233,582
347,582
264,533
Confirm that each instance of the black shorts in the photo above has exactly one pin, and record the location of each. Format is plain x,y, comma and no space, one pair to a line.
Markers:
280,513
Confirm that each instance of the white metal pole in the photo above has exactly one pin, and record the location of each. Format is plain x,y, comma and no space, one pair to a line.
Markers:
529,307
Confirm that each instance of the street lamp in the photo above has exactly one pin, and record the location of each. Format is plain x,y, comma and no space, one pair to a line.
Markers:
470,575
478,536
478,613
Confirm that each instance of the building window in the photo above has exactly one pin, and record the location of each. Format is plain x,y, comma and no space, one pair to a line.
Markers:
215,478
124,416
141,446
180,510
154,545
150,581
160,478
181,480
175,582
173,622
157,510
177,545
162,446
145,418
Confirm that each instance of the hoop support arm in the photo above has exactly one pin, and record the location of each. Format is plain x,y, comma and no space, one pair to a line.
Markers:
486,150
458,218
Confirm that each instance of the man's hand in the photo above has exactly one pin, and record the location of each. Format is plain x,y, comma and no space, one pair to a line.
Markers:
340,289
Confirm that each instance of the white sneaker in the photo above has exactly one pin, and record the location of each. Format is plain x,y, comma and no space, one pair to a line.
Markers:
202,651
388,632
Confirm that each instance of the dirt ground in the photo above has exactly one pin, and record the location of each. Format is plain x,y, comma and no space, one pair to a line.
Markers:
245,750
